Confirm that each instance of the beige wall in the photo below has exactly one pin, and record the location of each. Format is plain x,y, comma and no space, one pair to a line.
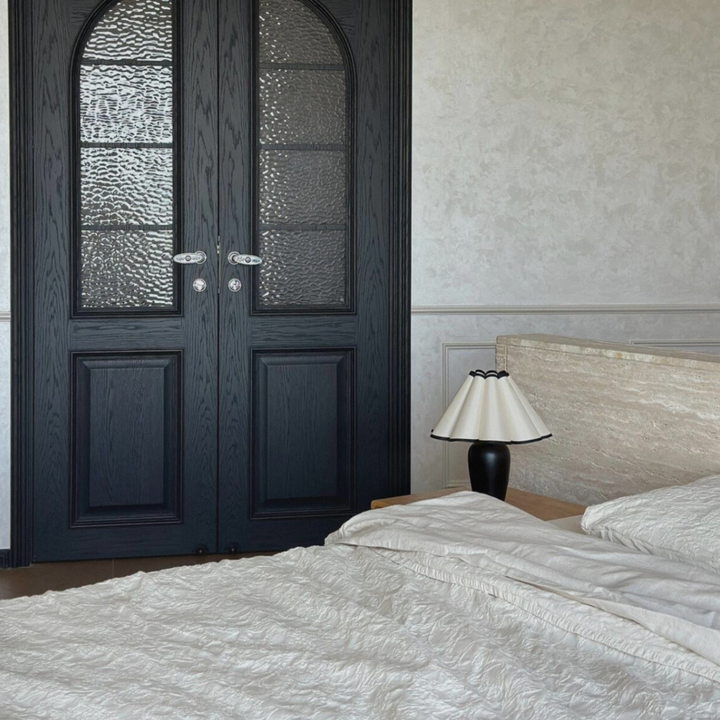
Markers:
566,159
565,151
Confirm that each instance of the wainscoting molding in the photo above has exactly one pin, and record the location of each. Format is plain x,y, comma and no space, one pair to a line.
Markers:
4,317
442,332
561,309
448,348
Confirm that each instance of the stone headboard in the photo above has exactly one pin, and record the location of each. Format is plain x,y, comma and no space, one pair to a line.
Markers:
624,419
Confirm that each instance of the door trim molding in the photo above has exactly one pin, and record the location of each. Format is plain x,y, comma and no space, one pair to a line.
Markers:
400,259
22,275
22,268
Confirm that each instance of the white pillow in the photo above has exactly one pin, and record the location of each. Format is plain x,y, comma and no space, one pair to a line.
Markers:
681,522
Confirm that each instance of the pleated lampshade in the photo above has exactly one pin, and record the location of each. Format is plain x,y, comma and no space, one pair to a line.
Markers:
490,407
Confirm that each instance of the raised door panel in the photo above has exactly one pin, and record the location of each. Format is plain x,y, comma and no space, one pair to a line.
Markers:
127,439
303,438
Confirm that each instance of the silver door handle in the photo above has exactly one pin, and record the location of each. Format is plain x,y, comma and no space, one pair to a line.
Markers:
236,258
196,258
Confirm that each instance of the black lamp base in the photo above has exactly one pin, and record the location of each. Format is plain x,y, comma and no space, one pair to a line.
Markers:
489,465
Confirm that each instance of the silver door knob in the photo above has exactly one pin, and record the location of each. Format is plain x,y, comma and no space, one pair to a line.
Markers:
199,285
236,258
195,258
235,285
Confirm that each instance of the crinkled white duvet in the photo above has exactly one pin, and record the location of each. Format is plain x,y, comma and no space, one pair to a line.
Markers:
461,607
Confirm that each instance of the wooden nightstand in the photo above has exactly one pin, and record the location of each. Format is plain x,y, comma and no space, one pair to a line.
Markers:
541,507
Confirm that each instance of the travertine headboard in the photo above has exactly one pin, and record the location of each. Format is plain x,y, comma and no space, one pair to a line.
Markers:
624,419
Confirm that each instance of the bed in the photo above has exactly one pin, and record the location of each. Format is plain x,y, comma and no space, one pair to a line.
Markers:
460,607
456,607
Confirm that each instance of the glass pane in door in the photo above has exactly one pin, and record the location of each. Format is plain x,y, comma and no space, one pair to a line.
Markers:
126,131
303,176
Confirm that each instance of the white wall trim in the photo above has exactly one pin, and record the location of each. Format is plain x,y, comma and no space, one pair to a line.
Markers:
4,317
447,348
560,309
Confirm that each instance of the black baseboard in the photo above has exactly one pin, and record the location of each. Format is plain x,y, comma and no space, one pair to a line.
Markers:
4,559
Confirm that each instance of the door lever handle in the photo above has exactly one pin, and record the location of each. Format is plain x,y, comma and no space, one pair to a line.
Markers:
196,258
236,258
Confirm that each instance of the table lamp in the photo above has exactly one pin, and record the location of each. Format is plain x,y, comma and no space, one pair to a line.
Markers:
490,412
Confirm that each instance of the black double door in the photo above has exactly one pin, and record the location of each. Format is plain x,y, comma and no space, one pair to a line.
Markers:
212,232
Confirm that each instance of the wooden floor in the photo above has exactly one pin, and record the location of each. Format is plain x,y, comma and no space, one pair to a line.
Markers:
40,578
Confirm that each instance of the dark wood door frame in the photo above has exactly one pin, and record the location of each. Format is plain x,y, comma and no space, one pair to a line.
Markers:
23,358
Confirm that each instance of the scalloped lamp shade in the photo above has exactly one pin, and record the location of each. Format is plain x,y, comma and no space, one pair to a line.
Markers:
491,408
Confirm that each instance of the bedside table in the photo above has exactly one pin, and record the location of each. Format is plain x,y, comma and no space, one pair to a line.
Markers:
543,508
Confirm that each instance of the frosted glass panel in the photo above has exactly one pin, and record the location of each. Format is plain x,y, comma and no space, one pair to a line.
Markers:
290,32
302,187
303,198
302,106
126,269
302,268
125,104
133,30
127,186
127,176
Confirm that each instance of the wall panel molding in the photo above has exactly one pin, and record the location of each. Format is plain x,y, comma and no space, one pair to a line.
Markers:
447,349
436,363
561,309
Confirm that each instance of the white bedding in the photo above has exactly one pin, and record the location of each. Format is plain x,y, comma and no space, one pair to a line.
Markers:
681,522
572,523
460,607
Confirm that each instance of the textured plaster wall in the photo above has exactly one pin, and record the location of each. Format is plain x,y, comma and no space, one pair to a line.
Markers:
565,154
565,151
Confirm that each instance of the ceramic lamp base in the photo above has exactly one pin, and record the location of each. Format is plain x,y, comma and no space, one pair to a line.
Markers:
489,465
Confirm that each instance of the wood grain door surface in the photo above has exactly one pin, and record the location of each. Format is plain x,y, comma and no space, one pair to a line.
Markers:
252,415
